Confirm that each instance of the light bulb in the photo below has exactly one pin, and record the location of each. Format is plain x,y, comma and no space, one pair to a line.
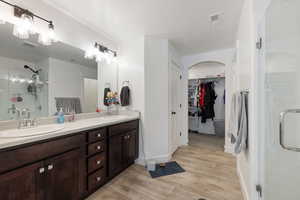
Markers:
49,37
24,27
100,57
88,54
109,57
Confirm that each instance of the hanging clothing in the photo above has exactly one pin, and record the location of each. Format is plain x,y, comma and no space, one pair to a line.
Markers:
210,97
105,100
125,96
201,95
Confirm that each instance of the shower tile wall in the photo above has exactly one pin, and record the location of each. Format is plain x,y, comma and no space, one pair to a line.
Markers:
11,69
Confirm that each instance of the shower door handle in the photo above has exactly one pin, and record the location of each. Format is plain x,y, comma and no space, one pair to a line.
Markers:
282,131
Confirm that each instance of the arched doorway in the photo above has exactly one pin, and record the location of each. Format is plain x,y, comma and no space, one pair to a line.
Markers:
206,94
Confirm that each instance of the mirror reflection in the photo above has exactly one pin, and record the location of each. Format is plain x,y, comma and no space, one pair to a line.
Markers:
39,80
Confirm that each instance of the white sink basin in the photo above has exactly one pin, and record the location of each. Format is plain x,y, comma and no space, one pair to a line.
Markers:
40,130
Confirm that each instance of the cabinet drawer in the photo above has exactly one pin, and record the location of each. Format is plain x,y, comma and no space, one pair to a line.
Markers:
15,158
96,179
97,135
123,128
97,147
96,162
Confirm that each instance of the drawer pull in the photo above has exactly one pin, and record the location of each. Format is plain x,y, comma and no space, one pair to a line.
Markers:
99,147
98,162
98,179
50,167
99,135
42,170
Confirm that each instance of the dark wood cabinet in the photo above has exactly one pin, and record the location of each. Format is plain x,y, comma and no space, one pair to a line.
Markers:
62,176
50,177
115,155
68,167
22,183
123,146
129,148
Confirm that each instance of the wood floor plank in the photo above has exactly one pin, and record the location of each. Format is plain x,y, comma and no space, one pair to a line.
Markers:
210,174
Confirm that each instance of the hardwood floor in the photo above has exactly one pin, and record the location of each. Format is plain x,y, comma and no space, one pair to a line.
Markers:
210,174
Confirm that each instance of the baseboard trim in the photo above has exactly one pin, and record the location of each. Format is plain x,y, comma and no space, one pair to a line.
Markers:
157,159
228,149
242,183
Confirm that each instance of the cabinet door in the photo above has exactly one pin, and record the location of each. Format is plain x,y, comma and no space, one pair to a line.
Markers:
129,148
22,184
115,154
63,176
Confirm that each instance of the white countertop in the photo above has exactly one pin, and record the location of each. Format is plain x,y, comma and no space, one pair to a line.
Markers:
69,128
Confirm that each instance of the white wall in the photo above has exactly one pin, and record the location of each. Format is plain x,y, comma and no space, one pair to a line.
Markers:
157,97
144,62
131,68
66,80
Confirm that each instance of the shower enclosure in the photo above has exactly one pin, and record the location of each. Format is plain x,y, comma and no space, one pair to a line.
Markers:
20,89
281,142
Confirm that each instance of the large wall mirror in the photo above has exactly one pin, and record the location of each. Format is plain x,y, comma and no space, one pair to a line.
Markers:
43,79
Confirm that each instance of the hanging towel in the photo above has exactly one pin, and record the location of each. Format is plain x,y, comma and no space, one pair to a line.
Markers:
238,127
105,100
125,96
68,104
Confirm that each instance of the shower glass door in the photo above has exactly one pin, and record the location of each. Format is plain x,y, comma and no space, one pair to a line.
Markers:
282,91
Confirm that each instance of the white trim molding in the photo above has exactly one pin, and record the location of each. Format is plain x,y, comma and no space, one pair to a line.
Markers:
245,192
157,159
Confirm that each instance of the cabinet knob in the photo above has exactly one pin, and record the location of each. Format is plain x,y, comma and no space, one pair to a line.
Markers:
98,179
99,135
98,147
98,162
50,167
42,170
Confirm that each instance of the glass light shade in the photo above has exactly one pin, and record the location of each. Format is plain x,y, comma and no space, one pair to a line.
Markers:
47,38
91,53
100,57
109,57
44,40
24,27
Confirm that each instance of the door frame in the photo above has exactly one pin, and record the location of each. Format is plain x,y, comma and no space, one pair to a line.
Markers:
174,66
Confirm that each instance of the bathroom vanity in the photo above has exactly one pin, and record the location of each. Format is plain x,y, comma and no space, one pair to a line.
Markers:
70,165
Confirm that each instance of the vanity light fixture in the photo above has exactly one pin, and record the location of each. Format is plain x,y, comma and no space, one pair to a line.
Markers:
49,37
101,53
24,25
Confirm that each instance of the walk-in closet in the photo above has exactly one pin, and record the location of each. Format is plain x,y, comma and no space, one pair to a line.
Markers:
206,100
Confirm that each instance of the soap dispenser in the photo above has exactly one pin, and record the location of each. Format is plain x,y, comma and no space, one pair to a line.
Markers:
61,116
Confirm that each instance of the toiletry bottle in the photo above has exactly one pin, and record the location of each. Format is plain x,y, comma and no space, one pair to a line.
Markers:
61,116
